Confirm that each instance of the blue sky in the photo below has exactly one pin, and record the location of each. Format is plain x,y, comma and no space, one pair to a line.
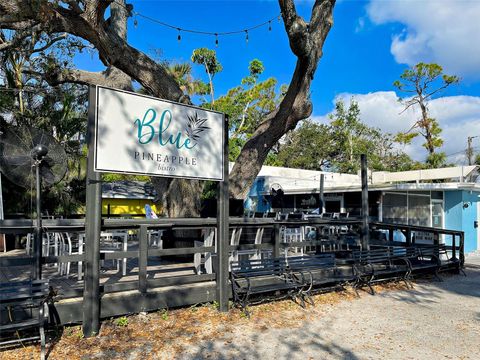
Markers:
369,46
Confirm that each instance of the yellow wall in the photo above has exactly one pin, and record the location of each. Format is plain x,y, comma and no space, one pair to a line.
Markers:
127,206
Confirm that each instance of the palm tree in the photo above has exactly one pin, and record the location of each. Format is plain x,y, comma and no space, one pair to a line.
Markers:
182,72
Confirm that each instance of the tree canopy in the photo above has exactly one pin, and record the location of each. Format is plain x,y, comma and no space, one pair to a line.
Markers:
246,106
337,146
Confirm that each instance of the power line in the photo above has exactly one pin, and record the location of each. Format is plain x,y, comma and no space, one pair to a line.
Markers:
462,151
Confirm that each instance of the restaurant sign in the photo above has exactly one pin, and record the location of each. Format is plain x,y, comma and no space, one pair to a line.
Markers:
137,134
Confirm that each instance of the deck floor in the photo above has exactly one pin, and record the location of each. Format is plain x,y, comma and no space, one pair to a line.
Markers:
157,268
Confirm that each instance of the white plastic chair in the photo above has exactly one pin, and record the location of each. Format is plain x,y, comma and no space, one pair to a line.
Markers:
67,246
234,241
155,238
253,254
208,240
28,245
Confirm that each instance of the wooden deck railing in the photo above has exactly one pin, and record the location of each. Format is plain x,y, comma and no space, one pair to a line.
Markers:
273,243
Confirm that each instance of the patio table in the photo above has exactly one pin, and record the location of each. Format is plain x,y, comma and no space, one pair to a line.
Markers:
105,235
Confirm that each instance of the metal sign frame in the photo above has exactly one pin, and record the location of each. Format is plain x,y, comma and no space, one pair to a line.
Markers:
131,172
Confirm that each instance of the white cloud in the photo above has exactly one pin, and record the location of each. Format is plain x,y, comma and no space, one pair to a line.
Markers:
458,116
441,31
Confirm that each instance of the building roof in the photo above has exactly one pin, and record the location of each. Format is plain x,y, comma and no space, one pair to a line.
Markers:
297,181
126,189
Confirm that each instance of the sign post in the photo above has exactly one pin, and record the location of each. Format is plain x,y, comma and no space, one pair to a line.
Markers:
222,230
130,133
93,223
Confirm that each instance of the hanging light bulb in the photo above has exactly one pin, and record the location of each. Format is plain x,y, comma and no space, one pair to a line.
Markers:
270,25
179,37
135,23
246,36
216,40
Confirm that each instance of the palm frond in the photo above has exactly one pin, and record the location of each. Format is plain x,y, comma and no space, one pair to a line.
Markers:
195,126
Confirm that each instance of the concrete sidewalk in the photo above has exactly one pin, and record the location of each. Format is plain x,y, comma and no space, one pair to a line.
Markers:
472,259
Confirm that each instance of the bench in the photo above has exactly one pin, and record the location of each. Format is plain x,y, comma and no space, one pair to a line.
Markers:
262,276
23,305
435,256
318,272
380,264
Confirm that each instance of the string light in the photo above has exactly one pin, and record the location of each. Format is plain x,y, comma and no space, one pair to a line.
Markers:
200,32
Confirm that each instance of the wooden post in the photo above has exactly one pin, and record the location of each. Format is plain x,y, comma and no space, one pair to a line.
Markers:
461,254
365,236
408,237
142,259
222,226
93,219
322,195
454,251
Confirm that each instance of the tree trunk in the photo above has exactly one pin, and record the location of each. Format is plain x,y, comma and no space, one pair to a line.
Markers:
178,197
427,127
306,42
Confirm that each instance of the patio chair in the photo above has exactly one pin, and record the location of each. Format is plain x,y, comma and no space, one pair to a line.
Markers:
109,245
155,238
293,234
253,254
68,246
234,241
270,215
208,240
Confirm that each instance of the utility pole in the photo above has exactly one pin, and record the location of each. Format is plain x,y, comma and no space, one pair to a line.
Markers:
470,149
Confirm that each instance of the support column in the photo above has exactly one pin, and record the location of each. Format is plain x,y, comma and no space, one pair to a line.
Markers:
222,226
37,240
93,219
142,259
322,194
365,236
276,240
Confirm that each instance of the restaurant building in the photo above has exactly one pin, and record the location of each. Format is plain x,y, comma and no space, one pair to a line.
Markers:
446,198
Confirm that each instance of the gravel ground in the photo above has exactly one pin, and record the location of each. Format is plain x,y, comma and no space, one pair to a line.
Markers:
436,320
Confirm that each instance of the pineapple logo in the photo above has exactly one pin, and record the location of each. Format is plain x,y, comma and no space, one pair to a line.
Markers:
195,127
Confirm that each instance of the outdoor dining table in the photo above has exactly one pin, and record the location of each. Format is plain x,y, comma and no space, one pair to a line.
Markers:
109,236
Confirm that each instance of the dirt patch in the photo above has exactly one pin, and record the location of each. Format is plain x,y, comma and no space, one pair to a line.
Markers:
339,325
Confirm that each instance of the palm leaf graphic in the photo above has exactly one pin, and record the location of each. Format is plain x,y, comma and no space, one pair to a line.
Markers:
195,126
